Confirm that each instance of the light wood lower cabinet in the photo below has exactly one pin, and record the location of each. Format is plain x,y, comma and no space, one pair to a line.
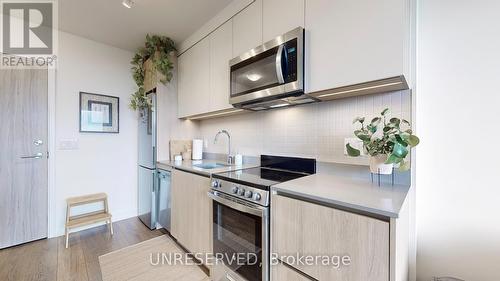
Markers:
191,212
307,229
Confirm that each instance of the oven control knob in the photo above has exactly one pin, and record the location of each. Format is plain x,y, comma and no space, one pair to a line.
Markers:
248,194
256,196
234,189
215,184
241,192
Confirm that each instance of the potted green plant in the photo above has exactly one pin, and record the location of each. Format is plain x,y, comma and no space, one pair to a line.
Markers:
387,142
158,49
139,100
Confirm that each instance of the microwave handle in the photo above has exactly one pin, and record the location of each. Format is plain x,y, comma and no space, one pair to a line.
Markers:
279,69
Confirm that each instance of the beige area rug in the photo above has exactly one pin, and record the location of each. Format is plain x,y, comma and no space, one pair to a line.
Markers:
134,263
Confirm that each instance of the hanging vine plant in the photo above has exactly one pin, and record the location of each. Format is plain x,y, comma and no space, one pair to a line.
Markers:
158,49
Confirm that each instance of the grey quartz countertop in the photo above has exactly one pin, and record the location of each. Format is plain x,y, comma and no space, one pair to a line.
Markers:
189,166
358,195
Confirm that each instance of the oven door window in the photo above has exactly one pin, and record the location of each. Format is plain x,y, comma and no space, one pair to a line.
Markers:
238,235
254,74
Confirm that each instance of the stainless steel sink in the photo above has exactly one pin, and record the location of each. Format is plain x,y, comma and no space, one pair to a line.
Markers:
208,166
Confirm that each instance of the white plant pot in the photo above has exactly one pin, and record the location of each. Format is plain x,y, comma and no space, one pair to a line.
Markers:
378,166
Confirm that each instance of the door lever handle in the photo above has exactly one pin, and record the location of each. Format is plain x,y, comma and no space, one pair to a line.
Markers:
39,155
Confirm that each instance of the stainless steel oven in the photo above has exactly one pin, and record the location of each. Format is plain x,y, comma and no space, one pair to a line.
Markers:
241,222
240,237
271,75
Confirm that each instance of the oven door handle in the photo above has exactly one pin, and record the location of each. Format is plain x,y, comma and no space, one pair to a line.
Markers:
254,210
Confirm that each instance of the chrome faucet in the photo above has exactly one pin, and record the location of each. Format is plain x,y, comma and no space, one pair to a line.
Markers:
229,156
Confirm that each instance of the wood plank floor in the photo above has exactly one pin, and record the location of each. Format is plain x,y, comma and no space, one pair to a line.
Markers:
49,260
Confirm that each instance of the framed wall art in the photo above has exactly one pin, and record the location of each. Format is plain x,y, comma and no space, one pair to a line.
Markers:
99,113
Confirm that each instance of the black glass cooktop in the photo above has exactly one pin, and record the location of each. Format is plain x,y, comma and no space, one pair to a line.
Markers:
264,177
276,170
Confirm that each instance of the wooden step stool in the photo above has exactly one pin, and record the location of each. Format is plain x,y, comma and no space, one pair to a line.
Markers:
87,218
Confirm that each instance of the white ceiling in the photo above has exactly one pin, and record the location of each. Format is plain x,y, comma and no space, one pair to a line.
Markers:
109,22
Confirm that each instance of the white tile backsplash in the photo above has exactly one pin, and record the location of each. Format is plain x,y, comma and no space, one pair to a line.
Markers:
315,130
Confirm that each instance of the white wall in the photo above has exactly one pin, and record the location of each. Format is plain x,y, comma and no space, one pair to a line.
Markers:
103,162
315,130
458,100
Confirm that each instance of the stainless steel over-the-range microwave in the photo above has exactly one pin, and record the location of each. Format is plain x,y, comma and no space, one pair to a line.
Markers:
271,75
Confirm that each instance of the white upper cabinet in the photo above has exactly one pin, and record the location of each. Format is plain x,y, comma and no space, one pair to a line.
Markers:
194,79
247,28
221,46
347,42
355,41
281,16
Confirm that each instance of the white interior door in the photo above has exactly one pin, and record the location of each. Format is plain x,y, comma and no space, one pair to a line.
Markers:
23,156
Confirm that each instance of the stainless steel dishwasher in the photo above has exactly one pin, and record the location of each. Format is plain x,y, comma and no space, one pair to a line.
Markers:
164,198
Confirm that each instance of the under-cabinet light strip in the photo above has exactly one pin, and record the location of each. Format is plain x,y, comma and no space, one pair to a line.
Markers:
214,114
360,89
279,105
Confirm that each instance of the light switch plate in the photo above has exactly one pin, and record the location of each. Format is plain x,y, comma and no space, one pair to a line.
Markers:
68,144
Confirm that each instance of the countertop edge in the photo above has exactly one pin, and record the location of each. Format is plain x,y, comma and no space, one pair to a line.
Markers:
201,172
184,169
193,171
362,210
308,197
